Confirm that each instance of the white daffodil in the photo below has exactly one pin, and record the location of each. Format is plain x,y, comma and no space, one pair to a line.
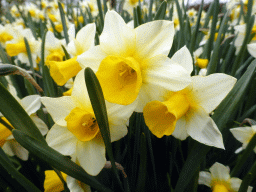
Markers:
62,71
76,132
244,135
219,179
17,47
129,61
129,5
10,146
186,112
6,34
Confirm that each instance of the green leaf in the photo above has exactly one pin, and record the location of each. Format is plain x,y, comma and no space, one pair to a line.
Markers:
16,115
29,56
101,15
7,164
66,53
245,183
100,111
47,79
63,21
56,159
246,153
31,25
150,10
212,66
160,14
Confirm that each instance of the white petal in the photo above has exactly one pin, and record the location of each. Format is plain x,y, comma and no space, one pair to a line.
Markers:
40,124
61,139
117,38
12,147
31,103
162,73
202,128
59,108
117,132
204,178
85,36
220,172
73,184
79,93
91,155
243,134
252,49
91,58
209,91
183,57
235,183
71,32
154,38
51,42
180,131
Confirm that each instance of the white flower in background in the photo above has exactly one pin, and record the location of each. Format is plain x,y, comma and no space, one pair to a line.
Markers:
17,47
244,135
10,146
219,179
132,63
6,34
76,132
130,4
186,112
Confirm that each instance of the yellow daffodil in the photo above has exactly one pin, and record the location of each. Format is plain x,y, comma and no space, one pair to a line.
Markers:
52,182
76,132
219,179
6,34
244,135
186,112
17,47
129,61
62,71
31,104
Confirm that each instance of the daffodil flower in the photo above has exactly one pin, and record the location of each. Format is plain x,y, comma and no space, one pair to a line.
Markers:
128,62
10,146
62,71
219,179
52,183
186,112
76,132
17,47
244,135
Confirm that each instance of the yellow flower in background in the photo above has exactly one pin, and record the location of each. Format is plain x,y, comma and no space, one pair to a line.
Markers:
62,71
186,112
17,47
219,179
244,135
128,62
6,34
76,132
52,182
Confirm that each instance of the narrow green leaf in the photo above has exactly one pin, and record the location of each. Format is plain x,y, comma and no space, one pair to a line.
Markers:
47,80
227,108
195,30
105,6
241,161
7,164
7,69
101,15
143,164
212,66
150,10
66,53
245,183
56,159
135,19
31,25
29,56
16,115
100,111
63,21
160,14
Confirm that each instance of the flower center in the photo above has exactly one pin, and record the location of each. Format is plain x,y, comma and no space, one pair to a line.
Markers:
120,79
254,31
59,27
202,63
133,2
82,124
161,117
16,48
219,188
54,56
